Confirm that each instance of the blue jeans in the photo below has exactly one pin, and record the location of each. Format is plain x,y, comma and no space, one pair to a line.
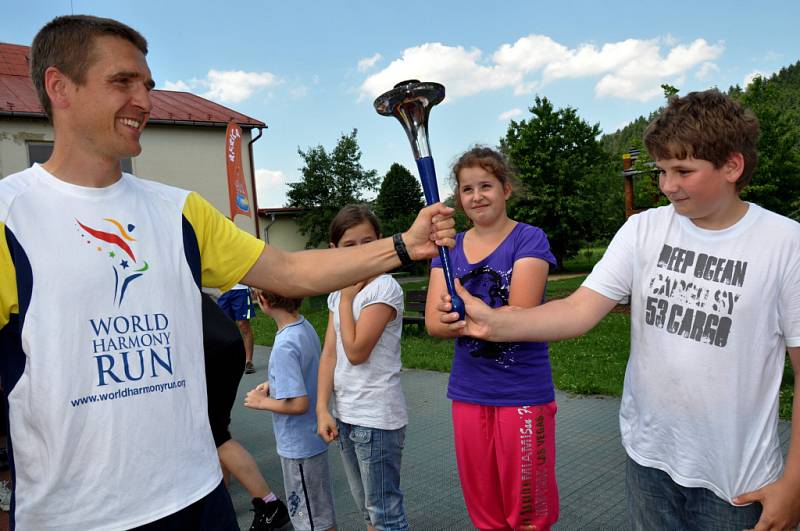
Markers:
655,502
371,459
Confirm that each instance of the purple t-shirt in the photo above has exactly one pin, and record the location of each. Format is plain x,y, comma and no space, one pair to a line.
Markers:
499,374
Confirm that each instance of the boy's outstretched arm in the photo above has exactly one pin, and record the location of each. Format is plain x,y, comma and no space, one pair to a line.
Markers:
780,501
258,398
558,319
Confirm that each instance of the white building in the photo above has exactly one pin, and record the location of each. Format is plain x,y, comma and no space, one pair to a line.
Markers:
182,145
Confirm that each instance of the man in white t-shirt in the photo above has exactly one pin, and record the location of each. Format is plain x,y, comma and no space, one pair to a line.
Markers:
714,284
101,351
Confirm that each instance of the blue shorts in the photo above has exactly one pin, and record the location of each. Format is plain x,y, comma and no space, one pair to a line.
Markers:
237,305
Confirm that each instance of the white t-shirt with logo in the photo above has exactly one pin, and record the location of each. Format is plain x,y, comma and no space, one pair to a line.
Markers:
370,394
712,313
102,346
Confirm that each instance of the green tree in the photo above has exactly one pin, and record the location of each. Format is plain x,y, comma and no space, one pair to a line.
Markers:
330,181
399,200
776,182
566,174
669,90
462,221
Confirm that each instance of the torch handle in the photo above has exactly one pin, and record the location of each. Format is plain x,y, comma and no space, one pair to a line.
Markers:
427,174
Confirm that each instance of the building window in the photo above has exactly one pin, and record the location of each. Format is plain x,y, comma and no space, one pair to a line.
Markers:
40,152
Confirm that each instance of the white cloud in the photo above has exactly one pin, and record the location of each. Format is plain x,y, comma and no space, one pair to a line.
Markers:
458,69
751,76
530,53
234,86
226,86
368,62
179,86
706,70
270,187
641,77
508,115
629,69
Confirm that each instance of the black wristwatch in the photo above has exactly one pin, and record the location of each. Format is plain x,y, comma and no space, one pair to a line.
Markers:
400,249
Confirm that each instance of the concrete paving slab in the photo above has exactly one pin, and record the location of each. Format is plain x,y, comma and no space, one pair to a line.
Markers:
590,466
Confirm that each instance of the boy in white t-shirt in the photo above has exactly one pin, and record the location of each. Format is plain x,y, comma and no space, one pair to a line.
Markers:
714,284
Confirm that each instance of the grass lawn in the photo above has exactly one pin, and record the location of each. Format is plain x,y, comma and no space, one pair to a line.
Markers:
590,364
584,260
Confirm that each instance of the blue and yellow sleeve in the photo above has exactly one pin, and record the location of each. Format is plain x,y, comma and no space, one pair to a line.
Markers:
226,252
8,283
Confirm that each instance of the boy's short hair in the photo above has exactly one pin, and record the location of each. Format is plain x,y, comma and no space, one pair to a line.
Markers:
706,125
67,43
279,301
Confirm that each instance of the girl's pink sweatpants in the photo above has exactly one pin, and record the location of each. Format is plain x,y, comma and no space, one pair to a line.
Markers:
506,462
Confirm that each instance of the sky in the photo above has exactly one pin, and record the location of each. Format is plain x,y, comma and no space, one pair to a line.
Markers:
311,70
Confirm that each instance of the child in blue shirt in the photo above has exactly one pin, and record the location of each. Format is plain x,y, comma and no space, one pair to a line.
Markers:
291,395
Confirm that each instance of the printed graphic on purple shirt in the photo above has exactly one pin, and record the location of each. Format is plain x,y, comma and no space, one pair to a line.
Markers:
501,374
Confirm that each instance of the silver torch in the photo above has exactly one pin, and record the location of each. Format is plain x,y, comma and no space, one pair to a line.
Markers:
411,102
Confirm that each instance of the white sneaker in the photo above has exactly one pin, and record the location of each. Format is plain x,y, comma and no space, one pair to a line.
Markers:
5,496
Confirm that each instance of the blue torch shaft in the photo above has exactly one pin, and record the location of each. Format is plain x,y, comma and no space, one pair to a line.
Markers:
427,174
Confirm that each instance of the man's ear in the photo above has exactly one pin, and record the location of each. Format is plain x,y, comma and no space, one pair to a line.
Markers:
734,167
57,85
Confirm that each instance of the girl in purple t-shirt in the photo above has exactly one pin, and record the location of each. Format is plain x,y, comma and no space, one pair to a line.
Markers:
503,398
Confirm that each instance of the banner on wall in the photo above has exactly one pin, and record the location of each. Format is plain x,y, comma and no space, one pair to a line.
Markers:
237,189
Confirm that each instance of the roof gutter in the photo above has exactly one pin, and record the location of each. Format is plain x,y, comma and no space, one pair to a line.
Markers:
253,173
152,121
163,121
24,114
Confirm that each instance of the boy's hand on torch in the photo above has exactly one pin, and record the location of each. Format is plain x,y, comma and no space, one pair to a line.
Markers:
479,318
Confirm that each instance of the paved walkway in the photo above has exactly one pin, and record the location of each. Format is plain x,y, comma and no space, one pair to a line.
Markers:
590,465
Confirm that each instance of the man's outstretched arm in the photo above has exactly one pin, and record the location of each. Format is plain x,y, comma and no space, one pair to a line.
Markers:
305,273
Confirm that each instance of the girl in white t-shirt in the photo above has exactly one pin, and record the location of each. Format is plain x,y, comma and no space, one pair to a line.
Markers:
360,364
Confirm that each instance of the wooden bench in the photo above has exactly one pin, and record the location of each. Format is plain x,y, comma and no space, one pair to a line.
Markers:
415,303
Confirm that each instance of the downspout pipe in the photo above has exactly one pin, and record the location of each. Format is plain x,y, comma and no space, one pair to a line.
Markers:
266,229
253,174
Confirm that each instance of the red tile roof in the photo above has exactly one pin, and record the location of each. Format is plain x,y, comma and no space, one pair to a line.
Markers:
18,97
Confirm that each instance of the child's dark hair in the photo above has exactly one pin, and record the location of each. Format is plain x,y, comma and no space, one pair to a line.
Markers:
279,301
706,125
490,160
350,216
